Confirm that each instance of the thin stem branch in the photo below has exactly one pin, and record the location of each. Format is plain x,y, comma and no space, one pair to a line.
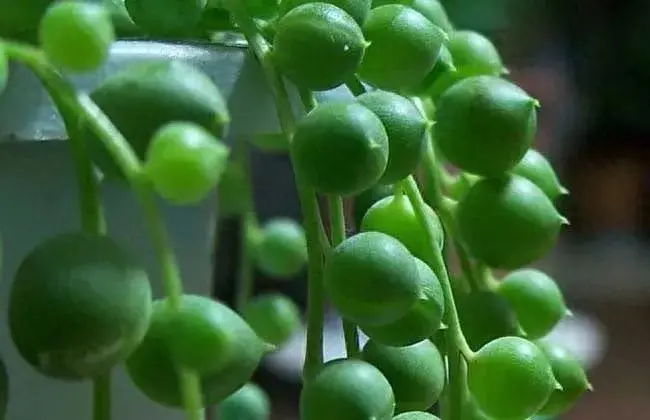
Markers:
337,220
455,381
316,287
351,336
398,190
338,233
248,231
485,278
309,102
446,214
306,194
91,214
438,201
90,208
440,340
456,342
192,395
245,279
261,49
437,264
324,240
102,397
308,99
355,86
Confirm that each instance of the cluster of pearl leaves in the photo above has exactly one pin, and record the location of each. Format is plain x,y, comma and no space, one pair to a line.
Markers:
426,93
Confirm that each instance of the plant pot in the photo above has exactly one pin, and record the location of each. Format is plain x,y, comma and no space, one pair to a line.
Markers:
38,185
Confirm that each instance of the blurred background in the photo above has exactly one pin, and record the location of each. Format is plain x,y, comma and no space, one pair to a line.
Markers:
588,64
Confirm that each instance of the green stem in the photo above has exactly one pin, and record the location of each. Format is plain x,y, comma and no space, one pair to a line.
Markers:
192,395
351,336
437,264
455,383
91,214
324,240
90,208
261,49
245,277
172,282
398,190
486,280
89,113
248,232
170,273
434,195
316,287
337,229
446,214
307,195
440,340
169,269
337,220
309,102
308,99
92,222
355,86
456,343
102,397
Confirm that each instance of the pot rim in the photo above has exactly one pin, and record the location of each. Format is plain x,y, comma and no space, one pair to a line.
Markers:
37,118
229,39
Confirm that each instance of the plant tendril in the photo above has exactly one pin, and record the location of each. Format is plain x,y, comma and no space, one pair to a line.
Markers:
88,112
311,214
338,232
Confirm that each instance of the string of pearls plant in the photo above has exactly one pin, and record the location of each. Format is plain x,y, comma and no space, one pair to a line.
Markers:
427,98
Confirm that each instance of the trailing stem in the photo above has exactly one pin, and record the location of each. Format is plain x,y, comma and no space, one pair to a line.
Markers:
456,343
311,214
83,110
337,223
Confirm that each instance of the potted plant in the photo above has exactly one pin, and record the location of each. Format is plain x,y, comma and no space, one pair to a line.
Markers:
373,103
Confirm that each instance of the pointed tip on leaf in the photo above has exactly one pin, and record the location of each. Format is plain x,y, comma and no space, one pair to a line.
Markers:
450,204
564,221
521,332
558,386
443,327
590,387
569,313
504,71
563,191
268,348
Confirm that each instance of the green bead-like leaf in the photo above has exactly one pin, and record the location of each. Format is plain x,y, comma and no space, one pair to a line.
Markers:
536,300
569,373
